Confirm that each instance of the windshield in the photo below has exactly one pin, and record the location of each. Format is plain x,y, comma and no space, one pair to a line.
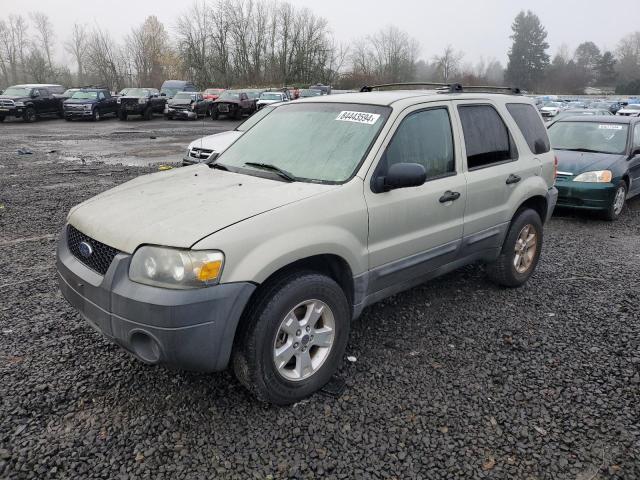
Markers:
17,92
253,119
185,96
137,92
169,92
321,142
85,95
69,92
310,93
271,96
591,136
229,96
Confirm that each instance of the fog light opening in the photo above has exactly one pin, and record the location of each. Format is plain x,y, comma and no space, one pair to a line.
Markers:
145,347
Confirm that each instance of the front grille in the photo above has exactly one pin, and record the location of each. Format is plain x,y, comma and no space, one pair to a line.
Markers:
201,154
5,102
101,257
129,101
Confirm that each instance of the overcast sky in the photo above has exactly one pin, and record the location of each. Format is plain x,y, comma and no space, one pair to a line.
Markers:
478,28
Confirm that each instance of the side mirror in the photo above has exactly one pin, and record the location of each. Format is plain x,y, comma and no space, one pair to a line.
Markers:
34,94
163,94
401,175
634,153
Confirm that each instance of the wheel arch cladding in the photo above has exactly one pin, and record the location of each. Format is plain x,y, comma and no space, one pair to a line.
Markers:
537,203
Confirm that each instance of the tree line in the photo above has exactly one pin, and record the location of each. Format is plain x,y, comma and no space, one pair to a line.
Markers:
234,43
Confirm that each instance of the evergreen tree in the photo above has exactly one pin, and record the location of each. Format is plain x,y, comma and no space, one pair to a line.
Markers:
528,58
588,59
607,75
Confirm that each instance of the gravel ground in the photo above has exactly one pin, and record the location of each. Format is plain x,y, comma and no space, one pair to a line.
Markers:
453,379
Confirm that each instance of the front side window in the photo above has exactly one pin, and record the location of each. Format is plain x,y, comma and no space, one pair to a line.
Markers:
531,126
636,136
486,137
314,142
426,138
589,137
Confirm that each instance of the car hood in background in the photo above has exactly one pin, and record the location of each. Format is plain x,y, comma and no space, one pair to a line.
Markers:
69,101
218,142
579,162
180,207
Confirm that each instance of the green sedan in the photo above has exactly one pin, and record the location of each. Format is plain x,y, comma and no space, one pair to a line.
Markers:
598,162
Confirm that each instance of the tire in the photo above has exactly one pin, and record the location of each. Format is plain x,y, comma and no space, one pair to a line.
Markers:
503,270
148,113
2,119
29,115
95,115
68,119
615,209
122,116
260,332
60,114
214,115
238,114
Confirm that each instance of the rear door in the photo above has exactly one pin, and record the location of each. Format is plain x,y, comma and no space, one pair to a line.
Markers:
413,231
493,169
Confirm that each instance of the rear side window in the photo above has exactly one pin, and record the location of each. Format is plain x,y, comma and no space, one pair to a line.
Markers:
486,137
423,137
531,126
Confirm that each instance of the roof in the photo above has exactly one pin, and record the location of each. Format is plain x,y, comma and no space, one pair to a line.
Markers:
600,119
37,85
403,98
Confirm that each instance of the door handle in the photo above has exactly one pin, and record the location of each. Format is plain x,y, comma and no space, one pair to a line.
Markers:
513,179
449,196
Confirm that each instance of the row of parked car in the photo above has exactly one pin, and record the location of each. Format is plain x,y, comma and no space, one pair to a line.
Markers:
554,108
176,99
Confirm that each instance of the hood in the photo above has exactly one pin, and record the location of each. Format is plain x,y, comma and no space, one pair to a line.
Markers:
268,102
14,98
218,142
179,207
579,162
550,109
180,101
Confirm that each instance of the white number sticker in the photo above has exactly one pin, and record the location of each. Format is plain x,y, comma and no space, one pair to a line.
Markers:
358,117
610,127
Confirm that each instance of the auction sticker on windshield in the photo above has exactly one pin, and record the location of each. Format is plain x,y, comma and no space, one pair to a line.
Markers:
610,127
358,117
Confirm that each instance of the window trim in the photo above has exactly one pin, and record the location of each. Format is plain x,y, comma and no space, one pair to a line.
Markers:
376,170
511,139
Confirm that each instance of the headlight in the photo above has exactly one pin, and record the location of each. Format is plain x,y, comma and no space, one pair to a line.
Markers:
88,106
142,100
599,176
19,104
118,100
174,268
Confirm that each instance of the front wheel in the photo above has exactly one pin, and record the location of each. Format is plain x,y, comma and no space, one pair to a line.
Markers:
29,115
95,115
617,204
520,251
148,113
122,115
2,119
293,337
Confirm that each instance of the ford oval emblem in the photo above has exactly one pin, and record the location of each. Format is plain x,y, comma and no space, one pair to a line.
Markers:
85,249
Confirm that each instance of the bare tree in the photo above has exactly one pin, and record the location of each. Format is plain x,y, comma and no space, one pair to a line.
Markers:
628,56
105,61
13,46
448,63
45,36
77,46
147,46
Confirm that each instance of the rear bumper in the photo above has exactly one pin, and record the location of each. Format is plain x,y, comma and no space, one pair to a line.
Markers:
187,329
589,196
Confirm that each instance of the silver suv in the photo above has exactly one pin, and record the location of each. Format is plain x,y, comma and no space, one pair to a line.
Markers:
262,259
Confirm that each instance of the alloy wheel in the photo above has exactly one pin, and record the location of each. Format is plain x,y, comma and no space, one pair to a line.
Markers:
304,340
525,249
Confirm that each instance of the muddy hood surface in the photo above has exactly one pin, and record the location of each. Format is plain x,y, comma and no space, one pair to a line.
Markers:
179,207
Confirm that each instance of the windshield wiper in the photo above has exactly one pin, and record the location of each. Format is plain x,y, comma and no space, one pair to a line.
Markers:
586,150
267,166
218,166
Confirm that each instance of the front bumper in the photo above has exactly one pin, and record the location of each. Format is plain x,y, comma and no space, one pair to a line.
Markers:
16,112
590,196
185,114
78,114
133,108
187,329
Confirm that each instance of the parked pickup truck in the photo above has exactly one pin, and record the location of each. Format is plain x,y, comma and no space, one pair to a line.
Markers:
30,101
187,105
233,104
262,259
141,101
90,103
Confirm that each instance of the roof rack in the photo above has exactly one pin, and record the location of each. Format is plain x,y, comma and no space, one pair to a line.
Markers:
447,87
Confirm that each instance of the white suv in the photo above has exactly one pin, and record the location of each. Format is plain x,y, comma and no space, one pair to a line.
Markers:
325,206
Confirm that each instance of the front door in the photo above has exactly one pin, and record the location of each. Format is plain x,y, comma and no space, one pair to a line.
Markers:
413,231
634,163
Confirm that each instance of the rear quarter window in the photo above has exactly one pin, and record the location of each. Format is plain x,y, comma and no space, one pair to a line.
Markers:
531,126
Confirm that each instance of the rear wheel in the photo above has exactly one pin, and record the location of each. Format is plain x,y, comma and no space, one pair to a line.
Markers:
617,204
122,115
148,113
29,115
214,115
520,251
293,337
2,119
